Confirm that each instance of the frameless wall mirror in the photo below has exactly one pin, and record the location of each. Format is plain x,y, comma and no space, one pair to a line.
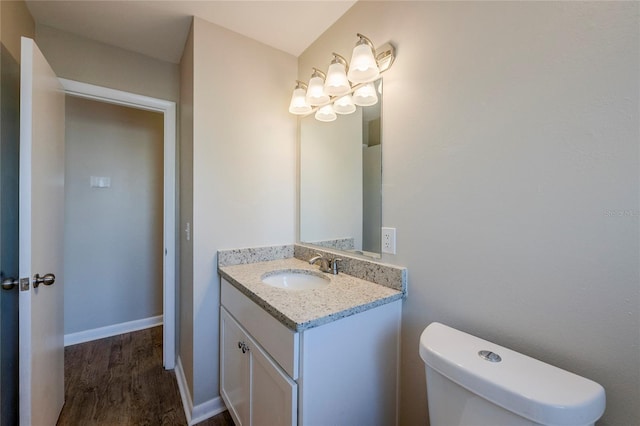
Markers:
341,180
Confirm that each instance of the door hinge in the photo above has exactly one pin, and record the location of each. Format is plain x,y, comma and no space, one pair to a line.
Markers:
24,284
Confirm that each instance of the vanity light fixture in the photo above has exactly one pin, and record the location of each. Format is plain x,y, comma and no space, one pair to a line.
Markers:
344,86
315,92
326,113
364,67
344,105
299,103
337,83
365,95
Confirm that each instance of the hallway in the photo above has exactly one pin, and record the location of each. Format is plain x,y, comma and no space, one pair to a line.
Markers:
120,381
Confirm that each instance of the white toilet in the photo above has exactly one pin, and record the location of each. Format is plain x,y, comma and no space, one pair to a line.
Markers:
472,382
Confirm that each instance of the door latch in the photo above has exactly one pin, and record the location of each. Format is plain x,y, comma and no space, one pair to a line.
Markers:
24,284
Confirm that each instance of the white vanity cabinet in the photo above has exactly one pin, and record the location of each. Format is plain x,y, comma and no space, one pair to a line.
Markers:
344,372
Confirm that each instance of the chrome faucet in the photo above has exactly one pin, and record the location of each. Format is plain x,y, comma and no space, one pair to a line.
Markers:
326,264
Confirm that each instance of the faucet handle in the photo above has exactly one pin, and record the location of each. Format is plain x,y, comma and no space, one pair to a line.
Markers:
334,265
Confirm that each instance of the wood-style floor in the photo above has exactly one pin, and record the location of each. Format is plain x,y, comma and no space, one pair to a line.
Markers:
120,381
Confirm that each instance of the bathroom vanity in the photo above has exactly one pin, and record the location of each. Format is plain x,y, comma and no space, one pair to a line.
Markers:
320,356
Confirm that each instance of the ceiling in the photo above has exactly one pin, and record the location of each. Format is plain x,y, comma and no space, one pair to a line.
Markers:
159,28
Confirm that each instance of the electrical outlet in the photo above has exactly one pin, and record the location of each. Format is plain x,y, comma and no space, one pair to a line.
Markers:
389,240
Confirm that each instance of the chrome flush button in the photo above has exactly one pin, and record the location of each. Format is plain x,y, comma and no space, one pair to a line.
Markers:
489,356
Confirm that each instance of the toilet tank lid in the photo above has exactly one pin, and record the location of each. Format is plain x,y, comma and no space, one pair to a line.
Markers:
523,385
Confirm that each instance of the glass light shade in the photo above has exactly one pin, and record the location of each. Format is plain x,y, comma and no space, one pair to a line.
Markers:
365,95
363,66
299,103
326,113
336,83
344,105
315,92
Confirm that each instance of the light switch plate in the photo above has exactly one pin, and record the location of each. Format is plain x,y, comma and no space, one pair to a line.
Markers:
389,240
100,182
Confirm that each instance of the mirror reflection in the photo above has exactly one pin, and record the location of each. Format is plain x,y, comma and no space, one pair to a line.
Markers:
340,180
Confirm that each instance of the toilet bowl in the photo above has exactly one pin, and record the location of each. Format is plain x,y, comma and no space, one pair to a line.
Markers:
472,382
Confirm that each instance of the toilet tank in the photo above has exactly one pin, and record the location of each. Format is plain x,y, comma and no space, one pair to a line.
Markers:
471,381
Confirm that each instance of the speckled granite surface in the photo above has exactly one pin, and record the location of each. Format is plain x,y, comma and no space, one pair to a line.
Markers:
339,243
300,310
386,275
253,255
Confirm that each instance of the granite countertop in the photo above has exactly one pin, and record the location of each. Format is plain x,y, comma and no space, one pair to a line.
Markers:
303,309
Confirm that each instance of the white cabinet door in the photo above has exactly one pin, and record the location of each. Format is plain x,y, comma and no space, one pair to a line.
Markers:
274,396
235,369
255,389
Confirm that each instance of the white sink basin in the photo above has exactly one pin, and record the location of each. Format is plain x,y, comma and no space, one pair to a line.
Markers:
295,279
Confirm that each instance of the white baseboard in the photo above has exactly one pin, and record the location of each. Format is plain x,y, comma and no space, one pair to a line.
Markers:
206,410
185,395
111,330
202,411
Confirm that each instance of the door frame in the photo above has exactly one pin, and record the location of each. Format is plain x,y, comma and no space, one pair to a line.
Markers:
168,110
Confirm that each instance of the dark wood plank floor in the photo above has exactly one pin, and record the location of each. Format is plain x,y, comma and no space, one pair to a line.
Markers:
120,381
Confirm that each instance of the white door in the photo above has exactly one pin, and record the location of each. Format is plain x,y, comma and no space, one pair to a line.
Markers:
9,162
41,240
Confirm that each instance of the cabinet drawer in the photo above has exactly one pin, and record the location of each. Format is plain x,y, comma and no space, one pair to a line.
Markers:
281,343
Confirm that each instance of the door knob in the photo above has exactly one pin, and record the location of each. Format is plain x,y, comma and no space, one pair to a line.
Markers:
9,283
47,279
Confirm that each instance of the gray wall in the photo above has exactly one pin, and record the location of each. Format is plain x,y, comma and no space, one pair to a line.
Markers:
185,343
88,61
113,236
16,22
244,180
510,169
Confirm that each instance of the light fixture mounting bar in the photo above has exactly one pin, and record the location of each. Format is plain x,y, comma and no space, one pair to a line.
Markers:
385,55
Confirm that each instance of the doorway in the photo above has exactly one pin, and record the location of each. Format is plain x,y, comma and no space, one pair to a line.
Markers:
113,220
167,109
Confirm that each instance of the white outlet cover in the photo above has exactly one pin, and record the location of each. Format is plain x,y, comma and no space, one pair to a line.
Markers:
389,240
